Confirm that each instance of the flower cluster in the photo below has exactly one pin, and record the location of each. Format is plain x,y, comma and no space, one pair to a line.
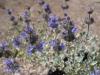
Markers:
59,46
11,65
33,48
4,51
53,21
17,42
45,6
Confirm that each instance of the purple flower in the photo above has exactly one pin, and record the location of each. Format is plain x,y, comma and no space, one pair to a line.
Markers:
74,29
57,45
9,11
17,42
11,65
26,14
4,45
3,48
96,72
24,35
53,21
61,46
53,43
28,29
92,73
40,46
46,7
30,50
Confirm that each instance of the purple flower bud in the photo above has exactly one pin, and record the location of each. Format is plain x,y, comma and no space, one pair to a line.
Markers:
4,50
90,11
65,14
28,8
26,16
17,42
41,2
30,50
9,11
89,20
47,9
65,7
12,18
28,29
74,29
68,18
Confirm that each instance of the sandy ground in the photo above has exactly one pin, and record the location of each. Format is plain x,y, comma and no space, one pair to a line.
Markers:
77,10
